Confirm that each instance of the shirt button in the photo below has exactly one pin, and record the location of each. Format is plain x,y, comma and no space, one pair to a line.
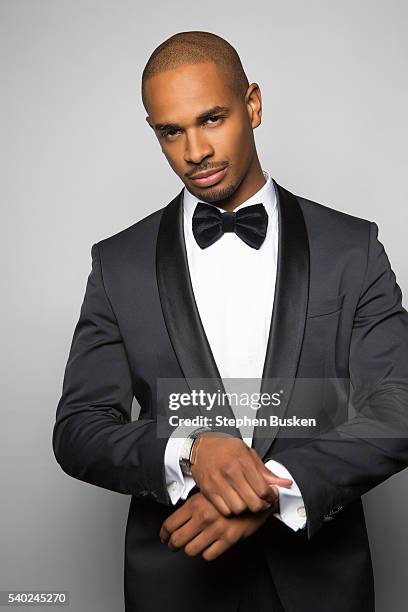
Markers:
173,485
301,511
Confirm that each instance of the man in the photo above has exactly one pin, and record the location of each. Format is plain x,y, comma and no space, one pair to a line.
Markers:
236,278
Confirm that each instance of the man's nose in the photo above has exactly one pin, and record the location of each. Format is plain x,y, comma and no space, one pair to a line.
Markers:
197,147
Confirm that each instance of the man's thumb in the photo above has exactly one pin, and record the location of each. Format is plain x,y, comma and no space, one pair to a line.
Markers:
272,478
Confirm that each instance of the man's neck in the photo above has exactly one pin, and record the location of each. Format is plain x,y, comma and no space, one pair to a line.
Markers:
251,184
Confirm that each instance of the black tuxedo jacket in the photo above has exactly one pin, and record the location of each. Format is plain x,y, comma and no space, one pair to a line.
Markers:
337,315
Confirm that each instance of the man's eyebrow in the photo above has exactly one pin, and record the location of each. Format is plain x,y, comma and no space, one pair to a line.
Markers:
204,115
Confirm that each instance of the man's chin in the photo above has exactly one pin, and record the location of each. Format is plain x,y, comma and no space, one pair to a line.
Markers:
213,195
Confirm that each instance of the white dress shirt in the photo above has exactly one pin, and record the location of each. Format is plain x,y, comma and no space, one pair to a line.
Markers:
234,287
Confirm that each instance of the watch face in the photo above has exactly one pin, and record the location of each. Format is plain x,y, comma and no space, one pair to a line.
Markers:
185,452
185,469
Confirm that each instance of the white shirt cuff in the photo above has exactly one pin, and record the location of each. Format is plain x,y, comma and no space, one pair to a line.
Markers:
178,484
291,505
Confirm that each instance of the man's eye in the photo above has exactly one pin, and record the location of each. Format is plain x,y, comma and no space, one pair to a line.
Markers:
169,133
174,132
214,118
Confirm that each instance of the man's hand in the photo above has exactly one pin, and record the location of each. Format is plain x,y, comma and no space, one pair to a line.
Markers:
200,528
231,475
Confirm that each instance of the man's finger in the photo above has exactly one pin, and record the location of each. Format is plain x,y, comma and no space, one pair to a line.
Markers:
200,542
255,497
232,499
215,550
256,481
272,478
184,534
273,495
174,521
220,504
252,501
269,476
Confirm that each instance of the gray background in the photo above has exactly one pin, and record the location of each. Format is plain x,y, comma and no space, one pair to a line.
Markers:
80,163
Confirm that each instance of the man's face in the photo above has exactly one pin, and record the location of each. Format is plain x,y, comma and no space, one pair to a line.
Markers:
202,125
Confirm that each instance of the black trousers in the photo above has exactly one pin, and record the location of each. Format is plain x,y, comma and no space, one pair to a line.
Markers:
258,592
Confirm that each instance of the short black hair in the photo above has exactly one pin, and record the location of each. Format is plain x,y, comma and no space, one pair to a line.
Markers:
193,48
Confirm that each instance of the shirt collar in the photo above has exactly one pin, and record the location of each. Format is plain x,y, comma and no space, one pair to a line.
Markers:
266,194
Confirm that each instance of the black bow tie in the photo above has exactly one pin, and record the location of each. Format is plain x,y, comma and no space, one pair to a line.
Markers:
249,223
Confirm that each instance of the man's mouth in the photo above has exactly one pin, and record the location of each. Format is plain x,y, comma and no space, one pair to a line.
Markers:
209,177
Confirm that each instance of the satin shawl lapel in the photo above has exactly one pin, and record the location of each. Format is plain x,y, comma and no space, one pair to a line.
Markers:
288,316
181,314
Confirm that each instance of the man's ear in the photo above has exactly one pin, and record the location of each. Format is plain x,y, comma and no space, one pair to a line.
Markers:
254,104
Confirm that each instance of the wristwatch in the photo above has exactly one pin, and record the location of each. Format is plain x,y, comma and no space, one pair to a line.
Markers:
185,453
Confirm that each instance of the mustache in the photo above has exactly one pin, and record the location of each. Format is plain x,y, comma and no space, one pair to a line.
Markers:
204,168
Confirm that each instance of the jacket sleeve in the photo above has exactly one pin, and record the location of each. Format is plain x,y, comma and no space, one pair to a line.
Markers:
94,438
336,468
